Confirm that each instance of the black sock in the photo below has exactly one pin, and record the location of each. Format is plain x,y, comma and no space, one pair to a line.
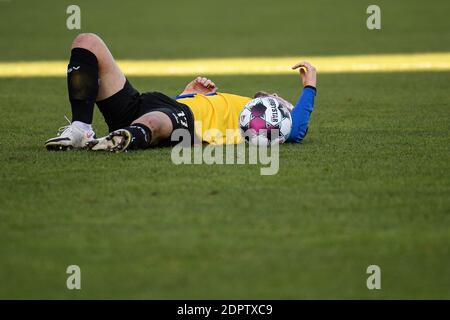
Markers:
142,136
82,82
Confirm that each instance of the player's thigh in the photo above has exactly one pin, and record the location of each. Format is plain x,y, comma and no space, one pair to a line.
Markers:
111,77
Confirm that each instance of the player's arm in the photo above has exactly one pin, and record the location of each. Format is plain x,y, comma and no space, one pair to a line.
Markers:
200,85
305,104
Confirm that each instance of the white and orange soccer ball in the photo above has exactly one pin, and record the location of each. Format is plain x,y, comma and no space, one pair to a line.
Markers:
265,120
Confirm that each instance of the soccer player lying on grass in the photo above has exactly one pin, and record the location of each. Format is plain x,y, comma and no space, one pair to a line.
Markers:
140,121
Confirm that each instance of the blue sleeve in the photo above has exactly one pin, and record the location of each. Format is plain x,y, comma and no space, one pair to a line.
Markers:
186,95
300,115
190,95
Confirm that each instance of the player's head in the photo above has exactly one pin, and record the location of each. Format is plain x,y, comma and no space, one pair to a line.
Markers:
274,95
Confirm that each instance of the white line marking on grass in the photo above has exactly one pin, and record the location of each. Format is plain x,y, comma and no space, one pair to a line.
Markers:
246,66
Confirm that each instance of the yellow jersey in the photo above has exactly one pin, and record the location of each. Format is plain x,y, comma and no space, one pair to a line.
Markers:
216,116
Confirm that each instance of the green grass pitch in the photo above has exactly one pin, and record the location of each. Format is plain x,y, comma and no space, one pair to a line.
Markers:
369,185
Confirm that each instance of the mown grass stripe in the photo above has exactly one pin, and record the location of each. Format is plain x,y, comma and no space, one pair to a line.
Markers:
247,66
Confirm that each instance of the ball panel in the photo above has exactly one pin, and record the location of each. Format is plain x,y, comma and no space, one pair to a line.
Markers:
244,119
258,124
258,110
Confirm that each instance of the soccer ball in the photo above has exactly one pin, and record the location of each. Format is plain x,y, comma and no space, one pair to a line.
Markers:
262,115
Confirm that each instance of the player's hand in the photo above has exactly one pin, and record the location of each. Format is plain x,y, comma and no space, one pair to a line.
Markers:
307,73
200,85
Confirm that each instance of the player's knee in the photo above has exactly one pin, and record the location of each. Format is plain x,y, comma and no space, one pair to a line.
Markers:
158,123
152,122
88,41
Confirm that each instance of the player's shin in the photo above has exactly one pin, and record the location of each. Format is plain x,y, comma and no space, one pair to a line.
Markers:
141,136
135,136
82,84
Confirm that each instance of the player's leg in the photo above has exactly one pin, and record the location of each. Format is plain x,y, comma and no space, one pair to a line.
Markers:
146,131
111,78
92,75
